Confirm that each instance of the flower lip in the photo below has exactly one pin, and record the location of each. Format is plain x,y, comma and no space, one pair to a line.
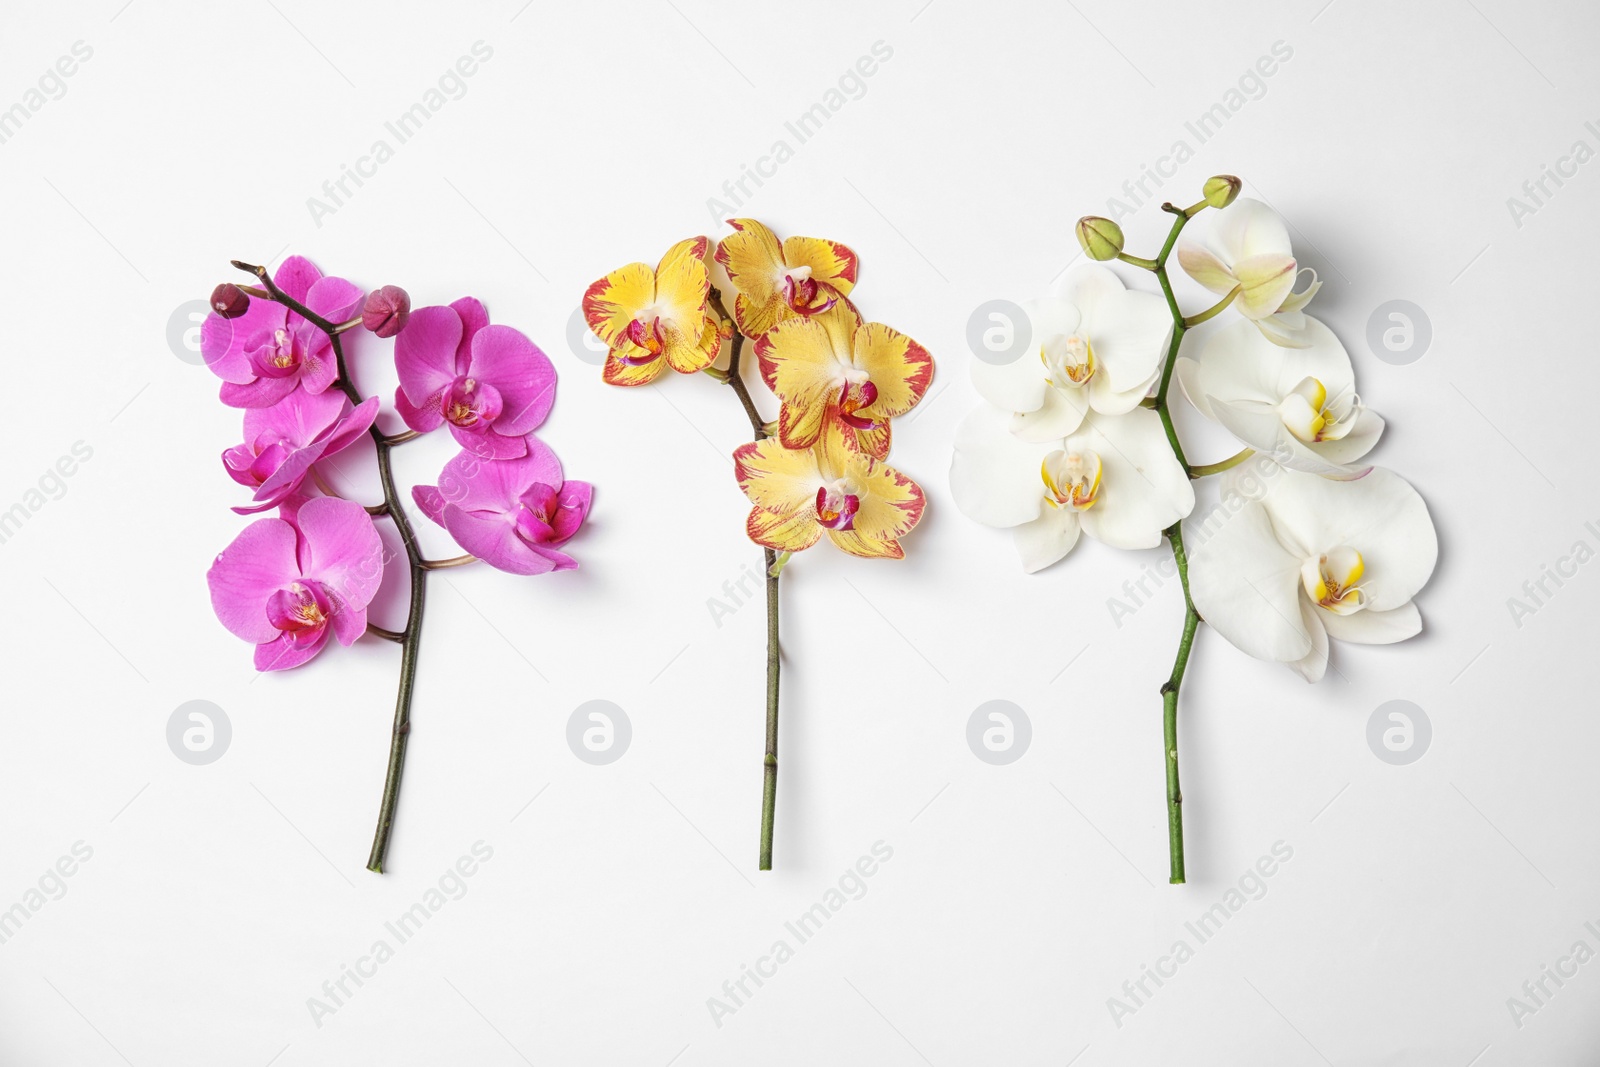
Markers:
301,609
837,506
1071,479
855,397
471,404
1332,580
278,356
1310,415
1068,360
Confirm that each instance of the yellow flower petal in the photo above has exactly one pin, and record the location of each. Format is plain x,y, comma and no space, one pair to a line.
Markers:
900,368
857,544
831,263
778,479
611,303
783,533
619,372
754,262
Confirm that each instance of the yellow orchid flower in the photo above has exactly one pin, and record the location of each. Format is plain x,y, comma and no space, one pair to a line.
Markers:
863,505
803,276
837,376
653,319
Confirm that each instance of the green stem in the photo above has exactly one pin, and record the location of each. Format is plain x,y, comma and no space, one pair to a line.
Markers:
1205,469
1191,618
1213,311
1143,264
411,636
769,763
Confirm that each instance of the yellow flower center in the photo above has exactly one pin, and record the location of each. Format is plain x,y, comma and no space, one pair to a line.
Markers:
1068,360
1312,416
1071,479
1332,580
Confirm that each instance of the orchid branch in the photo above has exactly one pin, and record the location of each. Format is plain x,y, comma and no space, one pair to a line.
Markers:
772,569
411,636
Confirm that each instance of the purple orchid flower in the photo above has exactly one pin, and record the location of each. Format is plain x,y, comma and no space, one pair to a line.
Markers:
269,351
284,585
490,383
283,441
513,514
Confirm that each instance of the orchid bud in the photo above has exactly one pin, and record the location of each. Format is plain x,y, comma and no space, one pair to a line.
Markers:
386,311
229,301
1101,238
1221,190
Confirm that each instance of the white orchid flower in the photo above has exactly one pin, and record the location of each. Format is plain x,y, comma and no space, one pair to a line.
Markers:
1096,346
1297,407
1314,559
1246,246
1115,479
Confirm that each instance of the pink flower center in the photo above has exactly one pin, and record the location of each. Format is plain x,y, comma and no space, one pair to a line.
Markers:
281,356
853,397
805,295
471,404
648,337
837,507
536,514
301,610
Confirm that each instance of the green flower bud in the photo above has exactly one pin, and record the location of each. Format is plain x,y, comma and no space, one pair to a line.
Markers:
1101,238
1221,190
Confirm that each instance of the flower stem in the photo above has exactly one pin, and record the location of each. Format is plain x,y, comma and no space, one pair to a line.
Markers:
1191,618
411,636
1213,311
453,561
769,773
1205,469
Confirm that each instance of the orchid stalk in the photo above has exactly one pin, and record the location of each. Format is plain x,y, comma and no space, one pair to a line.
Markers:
1082,440
817,471
286,583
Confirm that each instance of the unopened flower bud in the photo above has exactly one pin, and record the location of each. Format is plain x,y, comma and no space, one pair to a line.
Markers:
1101,238
1221,190
229,301
386,311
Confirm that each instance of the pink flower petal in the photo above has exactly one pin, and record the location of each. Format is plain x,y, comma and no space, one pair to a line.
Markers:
259,562
223,342
343,550
425,351
475,484
261,393
573,503
489,444
284,652
506,359
430,500
334,299
349,622
295,276
492,537
421,419
474,317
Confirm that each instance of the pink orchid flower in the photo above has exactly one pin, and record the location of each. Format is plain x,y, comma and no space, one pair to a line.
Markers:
514,514
283,585
265,354
283,441
490,383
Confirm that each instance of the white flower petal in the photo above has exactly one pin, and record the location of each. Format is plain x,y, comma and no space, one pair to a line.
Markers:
1021,384
1203,266
1061,413
1379,515
1046,539
1370,627
1237,363
994,475
1086,287
1143,489
1264,282
1109,401
1314,664
1254,422
1247,586
1187,371
1358,442
1247,228
1129,332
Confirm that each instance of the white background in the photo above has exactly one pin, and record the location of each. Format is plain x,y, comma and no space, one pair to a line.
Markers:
1019,898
